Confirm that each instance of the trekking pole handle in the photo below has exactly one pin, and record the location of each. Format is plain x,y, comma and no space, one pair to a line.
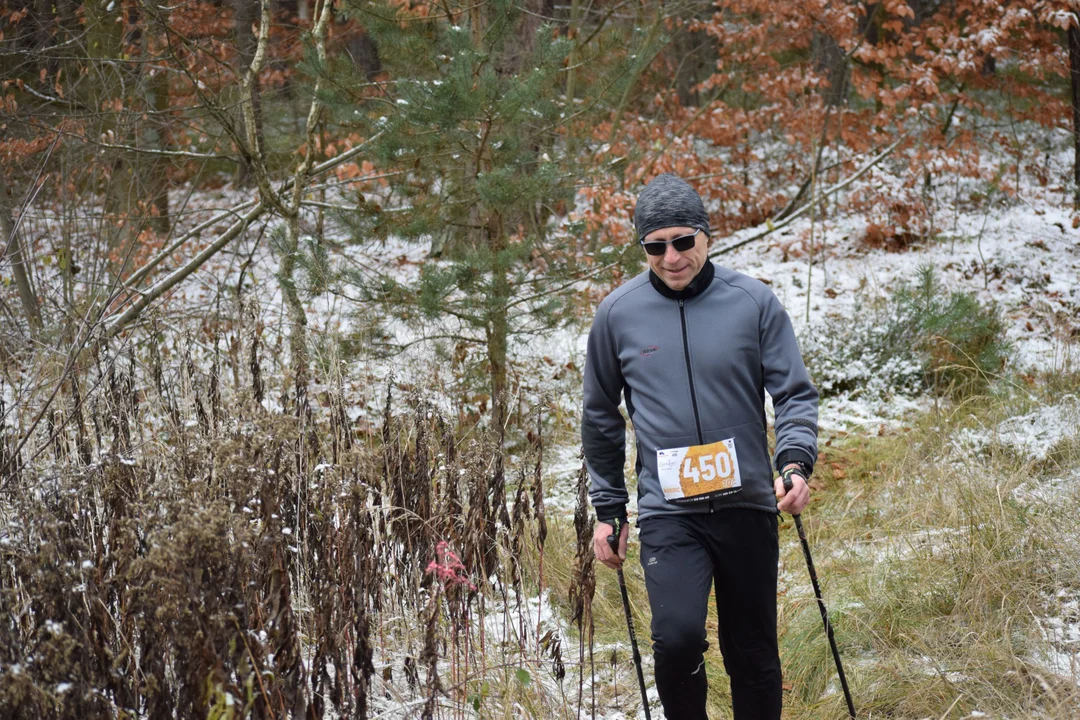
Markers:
788,484
613,538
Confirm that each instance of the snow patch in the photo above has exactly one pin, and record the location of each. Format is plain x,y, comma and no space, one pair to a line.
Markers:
1033,436
1037,433
1061,631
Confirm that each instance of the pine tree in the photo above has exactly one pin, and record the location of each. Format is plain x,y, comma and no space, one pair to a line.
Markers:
474,128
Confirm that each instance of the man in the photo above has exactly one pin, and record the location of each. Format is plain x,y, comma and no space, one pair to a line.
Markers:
692,347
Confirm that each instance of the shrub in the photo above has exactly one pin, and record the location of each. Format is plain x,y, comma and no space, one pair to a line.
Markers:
862,356
258,570
961,340
919,339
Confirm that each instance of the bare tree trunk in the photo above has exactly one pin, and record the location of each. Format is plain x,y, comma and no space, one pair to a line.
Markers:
694,55
298,349
157,181
1074,76
43,27
687,52
518,53
829,58
247,11
104,44
571,70
297,315
365,54
18,264
498,326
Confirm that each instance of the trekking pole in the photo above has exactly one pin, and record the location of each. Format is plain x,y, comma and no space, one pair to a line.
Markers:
613,541
821,607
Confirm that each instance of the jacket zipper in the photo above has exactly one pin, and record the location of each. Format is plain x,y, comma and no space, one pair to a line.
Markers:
690,373
693,393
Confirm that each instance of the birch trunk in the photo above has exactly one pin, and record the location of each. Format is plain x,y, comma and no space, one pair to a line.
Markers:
1074,78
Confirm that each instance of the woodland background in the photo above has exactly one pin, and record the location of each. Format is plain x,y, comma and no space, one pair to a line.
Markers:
287,288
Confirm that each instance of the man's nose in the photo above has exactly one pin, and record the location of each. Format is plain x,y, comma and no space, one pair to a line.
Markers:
671,254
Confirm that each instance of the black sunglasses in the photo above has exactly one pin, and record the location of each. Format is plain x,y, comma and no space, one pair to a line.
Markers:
681,244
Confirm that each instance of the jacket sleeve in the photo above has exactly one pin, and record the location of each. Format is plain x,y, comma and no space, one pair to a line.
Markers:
603,428
794,397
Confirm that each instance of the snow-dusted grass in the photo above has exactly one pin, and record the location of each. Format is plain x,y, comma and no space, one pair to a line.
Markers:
1034,435
945,533
948,569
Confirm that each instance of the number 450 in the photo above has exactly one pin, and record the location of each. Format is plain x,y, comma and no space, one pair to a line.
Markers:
708,467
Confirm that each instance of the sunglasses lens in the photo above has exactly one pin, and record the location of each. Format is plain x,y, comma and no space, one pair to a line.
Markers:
659,247
684,243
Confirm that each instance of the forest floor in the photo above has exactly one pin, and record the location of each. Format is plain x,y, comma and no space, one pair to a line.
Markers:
944,530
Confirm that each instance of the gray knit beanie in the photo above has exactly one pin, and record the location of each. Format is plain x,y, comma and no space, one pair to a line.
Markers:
668,201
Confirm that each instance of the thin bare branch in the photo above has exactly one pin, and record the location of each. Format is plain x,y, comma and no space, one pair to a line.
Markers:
116,324
151,151
772,227
140,274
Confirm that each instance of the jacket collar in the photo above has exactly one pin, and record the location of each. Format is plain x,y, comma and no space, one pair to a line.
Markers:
697,286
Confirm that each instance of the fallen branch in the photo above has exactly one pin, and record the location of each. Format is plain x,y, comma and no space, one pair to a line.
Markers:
772,227
140,274
153,262
115,324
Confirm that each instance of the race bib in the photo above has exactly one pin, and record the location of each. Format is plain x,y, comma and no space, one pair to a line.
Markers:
699,472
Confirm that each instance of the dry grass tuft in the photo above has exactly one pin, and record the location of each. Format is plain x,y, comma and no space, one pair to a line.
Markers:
174,549
942,564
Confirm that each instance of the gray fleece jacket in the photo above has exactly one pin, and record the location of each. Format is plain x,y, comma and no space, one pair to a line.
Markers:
693,366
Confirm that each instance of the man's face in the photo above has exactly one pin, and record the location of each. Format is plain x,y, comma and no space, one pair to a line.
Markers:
676,268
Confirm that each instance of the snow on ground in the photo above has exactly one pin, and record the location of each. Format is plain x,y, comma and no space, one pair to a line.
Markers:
1048,491
1032,436
1025,258
1023,255
1039,432
1061,632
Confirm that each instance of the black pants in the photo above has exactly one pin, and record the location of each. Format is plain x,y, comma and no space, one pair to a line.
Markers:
682,556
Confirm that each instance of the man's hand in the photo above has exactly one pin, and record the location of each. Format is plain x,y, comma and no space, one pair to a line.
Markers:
602,549
792,501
